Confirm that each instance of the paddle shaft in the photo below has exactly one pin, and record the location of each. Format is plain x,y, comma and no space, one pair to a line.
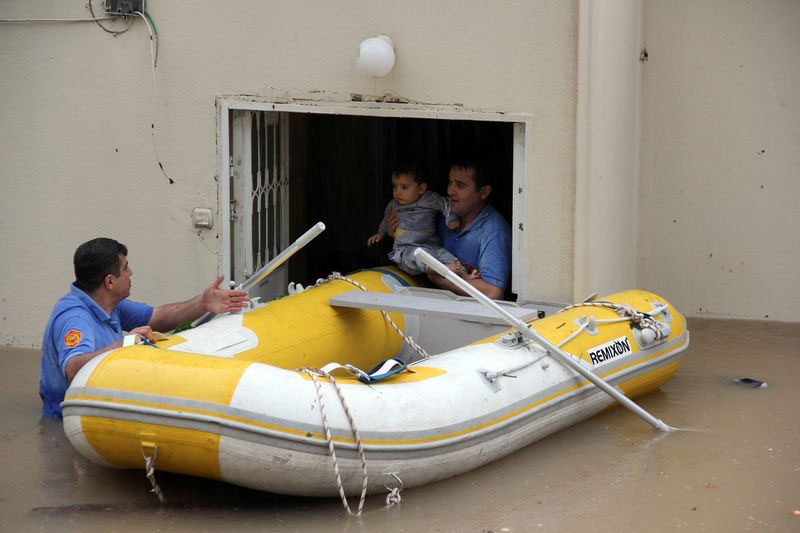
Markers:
273,265
531,334
282,257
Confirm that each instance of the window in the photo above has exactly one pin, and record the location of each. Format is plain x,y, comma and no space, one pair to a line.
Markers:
290,166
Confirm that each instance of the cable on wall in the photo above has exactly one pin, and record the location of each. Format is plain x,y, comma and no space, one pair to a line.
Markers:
151,29
112,32
94,18
57,20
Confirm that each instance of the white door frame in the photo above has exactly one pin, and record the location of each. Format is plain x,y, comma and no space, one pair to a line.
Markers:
521,122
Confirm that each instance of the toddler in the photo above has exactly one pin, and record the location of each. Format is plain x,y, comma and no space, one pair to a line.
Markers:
416,209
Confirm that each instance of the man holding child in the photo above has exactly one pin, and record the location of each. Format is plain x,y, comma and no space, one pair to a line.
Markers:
481,241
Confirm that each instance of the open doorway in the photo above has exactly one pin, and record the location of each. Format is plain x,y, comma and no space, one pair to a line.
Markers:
336,168
340,174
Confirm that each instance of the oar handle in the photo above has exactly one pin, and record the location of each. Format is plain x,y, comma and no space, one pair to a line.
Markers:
282,257
531,334
273,265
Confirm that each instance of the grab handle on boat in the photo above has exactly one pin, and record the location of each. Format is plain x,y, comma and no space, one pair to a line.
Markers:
531,334
273,265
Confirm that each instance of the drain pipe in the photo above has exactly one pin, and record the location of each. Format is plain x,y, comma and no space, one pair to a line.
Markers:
607,145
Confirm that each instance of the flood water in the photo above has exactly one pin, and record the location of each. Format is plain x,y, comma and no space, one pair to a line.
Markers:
738,469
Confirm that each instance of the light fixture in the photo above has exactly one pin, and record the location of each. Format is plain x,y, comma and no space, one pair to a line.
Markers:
376,56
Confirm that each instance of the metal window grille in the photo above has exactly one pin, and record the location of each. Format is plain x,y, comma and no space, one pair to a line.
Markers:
260,194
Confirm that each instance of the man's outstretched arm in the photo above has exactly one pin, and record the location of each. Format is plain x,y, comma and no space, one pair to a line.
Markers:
212,300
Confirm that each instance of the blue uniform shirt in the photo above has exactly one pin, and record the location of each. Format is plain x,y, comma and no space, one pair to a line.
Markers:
78,325
485,244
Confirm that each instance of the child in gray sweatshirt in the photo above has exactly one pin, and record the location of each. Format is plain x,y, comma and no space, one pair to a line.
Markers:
417,209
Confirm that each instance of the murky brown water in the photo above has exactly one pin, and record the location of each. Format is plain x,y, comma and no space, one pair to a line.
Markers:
739,470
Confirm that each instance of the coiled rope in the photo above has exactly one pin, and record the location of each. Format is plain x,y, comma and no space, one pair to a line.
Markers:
393,499
628,312
150,472
314,373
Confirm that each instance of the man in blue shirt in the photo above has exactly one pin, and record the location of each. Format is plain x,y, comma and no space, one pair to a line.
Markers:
482,239
90,319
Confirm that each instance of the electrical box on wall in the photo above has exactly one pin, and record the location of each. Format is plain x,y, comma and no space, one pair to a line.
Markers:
124,7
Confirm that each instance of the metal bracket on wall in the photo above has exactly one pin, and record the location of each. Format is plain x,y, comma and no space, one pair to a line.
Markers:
123,7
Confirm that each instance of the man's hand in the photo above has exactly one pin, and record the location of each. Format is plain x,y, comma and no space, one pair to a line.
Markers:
375,239
470,271
212,300
392,222
218,300
495,293
145,332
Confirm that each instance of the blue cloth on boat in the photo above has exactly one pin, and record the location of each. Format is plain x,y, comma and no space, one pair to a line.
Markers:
78,325
485,244
383,370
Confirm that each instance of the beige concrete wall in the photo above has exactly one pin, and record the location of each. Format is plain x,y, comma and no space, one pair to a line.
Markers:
720,159
77,160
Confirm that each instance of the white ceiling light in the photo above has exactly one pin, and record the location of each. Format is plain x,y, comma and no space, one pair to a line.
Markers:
376,56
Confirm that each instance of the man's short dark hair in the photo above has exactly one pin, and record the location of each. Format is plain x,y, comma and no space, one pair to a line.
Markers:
481,178
96,259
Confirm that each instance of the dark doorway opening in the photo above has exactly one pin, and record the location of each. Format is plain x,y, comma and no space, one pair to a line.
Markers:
340,173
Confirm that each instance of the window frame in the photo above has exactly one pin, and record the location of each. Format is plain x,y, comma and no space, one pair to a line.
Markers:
521,125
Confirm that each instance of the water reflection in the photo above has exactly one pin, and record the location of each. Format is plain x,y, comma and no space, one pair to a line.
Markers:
59,468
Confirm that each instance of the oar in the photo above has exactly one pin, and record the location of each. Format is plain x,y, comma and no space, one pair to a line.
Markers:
531,334
270,267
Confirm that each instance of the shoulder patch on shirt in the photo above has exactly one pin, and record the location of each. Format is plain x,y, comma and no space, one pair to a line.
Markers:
72,338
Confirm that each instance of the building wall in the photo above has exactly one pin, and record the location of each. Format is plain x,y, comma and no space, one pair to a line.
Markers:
75,105
718,167
720,160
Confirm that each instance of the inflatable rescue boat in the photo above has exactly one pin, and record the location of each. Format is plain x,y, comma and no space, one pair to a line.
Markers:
247,398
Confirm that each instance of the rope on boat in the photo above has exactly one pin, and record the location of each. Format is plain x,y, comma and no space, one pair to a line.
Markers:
626,312
150,472
416,347
508,371
393,499
314,373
